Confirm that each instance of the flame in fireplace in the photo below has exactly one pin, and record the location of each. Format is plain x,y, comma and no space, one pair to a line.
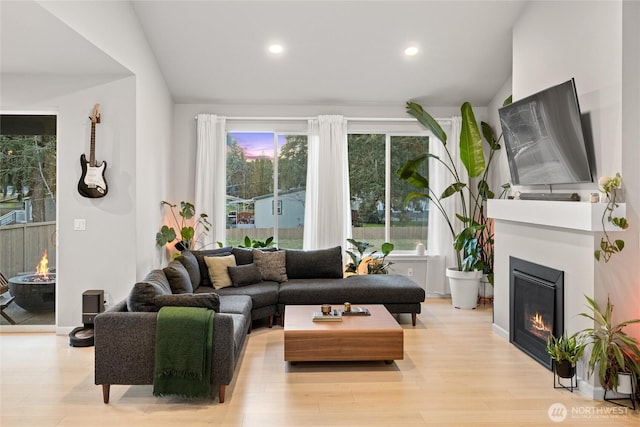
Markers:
42,269
538,327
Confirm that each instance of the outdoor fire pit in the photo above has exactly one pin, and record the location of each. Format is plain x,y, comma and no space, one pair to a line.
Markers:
35,292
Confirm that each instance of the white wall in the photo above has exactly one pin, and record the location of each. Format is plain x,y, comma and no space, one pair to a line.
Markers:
134,137
500,168
626,271
114,28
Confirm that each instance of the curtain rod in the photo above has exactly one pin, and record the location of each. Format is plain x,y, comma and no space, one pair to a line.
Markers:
353,119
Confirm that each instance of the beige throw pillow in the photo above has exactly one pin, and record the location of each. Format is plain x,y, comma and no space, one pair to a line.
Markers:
217,266
272,265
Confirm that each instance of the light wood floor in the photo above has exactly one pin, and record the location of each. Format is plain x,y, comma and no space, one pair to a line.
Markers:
455,372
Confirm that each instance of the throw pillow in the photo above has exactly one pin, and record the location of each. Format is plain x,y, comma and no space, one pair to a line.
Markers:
142,294
178,277
204,269
244,275
243,255
190,262
218,273
210,301
272,265
321,263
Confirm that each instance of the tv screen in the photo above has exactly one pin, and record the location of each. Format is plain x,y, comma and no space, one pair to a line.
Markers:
544,139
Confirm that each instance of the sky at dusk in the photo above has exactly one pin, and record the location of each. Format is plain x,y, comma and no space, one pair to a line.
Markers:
257,145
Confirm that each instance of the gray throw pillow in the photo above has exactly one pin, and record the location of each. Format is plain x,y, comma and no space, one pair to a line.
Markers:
210,301
178,277
244,275
190,262
142,294
243,255
272,265
321,263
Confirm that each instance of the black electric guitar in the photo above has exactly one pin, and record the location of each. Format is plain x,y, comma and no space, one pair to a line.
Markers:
92,183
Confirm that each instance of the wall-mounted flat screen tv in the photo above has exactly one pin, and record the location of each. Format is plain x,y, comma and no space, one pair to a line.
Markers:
544,140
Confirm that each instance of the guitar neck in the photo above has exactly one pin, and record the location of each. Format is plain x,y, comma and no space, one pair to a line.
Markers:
92,156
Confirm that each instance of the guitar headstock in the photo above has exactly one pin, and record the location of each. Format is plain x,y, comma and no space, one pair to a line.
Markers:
95,116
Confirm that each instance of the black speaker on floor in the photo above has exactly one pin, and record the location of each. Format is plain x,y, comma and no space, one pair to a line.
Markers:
92,305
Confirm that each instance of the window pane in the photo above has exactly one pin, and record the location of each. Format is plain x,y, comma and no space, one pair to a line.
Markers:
408,225
292,178
252,208
367,187
249,179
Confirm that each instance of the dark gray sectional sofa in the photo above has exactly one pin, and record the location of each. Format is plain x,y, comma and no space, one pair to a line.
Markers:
125,334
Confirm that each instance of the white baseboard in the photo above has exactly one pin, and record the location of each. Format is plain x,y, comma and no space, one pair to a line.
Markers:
501,332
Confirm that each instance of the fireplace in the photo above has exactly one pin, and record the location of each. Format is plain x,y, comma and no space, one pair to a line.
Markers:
536,307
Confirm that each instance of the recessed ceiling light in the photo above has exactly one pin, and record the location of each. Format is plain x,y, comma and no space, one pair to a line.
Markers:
411,51
276,48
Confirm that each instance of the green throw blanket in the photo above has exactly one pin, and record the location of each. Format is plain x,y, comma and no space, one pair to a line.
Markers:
184,337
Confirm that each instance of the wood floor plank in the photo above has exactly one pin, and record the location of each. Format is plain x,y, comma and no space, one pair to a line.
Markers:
455,372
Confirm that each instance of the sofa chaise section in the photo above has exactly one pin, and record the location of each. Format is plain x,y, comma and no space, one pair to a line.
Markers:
398,293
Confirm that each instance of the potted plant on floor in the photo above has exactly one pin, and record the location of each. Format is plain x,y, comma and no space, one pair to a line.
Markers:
186,226
565,352
614,353
465,277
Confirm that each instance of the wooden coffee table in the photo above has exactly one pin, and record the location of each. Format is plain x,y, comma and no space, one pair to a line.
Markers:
374,337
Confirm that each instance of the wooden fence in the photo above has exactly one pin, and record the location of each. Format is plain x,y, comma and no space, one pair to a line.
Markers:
22,246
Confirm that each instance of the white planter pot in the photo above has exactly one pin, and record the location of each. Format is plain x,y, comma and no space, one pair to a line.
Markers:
464,287
624,384
486,288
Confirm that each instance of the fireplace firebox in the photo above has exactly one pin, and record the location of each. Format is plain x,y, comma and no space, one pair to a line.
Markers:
536,307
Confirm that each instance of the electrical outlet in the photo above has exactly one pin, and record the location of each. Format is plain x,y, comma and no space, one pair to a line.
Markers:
107,300
410,272
79,224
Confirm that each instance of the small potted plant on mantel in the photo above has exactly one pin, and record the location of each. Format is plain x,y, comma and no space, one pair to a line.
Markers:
187,227
609,187
565,352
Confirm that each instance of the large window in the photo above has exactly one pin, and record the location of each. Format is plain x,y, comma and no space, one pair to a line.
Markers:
378,211
258,162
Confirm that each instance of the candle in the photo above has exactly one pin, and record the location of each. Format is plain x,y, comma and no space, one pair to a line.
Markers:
420,248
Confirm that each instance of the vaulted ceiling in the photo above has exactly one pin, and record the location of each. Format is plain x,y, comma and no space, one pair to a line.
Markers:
335,52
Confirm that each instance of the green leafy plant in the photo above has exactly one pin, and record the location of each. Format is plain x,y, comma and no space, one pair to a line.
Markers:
186,226
613,351
470,246
608,248
566,348
376,263
254,243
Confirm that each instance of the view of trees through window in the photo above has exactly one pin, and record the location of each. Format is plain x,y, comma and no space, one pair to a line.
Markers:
371,158
258,162
253,208
28,211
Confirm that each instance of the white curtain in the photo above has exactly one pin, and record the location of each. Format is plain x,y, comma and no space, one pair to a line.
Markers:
327,216
440,241
210,179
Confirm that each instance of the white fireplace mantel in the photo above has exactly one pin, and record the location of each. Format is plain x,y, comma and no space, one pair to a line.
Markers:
571,215
556,234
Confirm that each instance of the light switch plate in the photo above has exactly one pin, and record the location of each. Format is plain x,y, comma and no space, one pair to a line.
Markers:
80,224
